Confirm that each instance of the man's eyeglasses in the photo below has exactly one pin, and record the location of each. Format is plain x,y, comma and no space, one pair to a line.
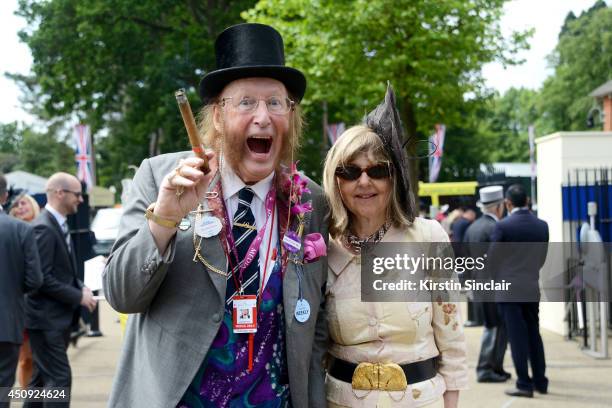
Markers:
276,105
351,172
78,194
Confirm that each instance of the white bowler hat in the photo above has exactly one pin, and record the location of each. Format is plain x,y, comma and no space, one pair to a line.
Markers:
491,194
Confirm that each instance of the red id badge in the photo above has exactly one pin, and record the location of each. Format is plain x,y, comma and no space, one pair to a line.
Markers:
245,314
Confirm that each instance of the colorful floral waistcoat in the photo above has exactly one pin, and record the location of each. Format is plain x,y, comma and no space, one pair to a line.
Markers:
223,380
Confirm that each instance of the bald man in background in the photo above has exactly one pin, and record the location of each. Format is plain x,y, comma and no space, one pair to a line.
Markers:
51,310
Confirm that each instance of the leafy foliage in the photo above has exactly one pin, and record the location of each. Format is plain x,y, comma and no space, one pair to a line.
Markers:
499,128
510,118
582,61
431,51
9,142
468,144
32,151
115,64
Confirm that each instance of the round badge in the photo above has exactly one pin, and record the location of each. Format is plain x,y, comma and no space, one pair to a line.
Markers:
208,226
185,224
291,244
302,310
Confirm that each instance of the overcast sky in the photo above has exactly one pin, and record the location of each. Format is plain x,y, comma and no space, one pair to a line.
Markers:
546,16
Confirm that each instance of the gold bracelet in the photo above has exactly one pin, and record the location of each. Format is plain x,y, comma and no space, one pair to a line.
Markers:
164,222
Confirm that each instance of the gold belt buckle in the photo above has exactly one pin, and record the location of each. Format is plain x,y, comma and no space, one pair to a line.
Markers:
379,376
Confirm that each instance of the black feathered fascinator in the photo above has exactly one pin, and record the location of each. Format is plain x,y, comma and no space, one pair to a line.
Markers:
384,120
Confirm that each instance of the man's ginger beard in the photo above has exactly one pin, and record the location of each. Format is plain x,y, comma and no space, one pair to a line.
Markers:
232,150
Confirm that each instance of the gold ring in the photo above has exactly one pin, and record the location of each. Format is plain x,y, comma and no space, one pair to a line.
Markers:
176,172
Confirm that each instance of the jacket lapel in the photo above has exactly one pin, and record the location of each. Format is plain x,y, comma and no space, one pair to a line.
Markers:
72,256
292,261
212,249
58,231
290,292
338,258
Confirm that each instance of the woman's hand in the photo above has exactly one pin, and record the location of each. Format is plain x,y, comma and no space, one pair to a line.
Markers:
451,399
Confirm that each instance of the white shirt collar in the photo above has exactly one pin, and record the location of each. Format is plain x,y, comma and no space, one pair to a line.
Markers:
59,217
515,209
492,216
232,184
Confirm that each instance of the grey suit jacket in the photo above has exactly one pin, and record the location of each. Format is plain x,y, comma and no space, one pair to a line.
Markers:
19,273
480,230
177,304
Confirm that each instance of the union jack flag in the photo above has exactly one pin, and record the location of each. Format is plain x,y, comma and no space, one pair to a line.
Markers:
436,149
334,130
82,157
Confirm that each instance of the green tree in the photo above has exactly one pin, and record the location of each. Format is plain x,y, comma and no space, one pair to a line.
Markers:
431,51
492,129
9,137
115,65
41,153
510,118
9,141
467,144
582,61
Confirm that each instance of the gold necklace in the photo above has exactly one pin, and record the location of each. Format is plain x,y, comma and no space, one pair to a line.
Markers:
354,243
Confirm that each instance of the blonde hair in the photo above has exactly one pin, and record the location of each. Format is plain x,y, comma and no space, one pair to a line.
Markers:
353,142
212,139
29,199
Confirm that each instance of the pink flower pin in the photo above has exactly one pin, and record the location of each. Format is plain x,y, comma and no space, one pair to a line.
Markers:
301,208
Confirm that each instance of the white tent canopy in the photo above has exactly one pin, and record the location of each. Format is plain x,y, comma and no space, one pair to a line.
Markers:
510,169
33,184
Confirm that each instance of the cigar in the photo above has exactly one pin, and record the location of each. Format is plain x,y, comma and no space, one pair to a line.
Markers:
192,130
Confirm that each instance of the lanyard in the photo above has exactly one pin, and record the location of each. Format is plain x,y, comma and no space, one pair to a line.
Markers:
263,281
262,285
270,203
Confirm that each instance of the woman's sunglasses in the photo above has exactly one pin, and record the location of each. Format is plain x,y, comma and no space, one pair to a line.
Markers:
351,172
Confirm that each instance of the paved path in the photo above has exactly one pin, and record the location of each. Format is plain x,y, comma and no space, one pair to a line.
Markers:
93,362
576,380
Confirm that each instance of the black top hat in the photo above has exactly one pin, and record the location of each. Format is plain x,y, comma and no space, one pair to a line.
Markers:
247,51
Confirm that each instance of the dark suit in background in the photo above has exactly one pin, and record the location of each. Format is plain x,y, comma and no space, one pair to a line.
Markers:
494,339
458,228
522,318
19,273
50,311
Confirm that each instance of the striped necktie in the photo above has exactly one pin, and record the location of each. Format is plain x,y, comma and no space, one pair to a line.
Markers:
244,232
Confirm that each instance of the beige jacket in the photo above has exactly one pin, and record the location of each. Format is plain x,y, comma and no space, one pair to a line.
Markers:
392,331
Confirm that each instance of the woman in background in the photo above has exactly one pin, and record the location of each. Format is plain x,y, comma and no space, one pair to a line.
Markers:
419,345
26,209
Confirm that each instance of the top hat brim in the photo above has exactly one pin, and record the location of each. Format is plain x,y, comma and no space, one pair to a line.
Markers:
213,83
481,204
